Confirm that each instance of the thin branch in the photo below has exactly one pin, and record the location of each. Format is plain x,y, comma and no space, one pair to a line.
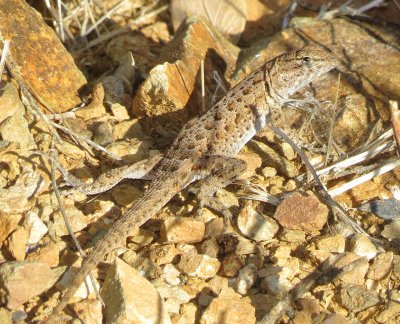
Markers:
395,118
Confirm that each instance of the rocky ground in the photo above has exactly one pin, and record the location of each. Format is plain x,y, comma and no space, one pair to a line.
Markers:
138,74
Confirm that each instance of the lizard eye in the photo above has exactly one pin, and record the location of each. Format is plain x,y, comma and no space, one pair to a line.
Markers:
306,59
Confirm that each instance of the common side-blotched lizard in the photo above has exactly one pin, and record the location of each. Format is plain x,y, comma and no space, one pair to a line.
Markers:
206,147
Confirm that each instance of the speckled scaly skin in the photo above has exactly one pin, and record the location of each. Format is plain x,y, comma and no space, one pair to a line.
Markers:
207,145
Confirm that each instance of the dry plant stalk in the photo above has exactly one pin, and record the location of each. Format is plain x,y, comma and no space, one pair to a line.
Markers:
395,116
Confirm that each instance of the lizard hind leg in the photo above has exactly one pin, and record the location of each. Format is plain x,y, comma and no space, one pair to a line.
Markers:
217,171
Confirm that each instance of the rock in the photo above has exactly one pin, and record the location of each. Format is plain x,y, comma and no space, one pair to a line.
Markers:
228,18
245,279
280,163
77,219
389,312
8,223
95,109
119,112
253,162
171,275
13,125
183,294
16,243
125,194
89,311
356,298
22,280
163,254
15,199
391,231
217,283
130,297
362,246
5,316
281,255
335,319
187,314
47,254
131,151
309,309
268,172
199,265
35,227
297,212
55,76
293,236
381,266
255,225
357,274
230,265
323,246
210,247
182,230
396,267
228,307
388,209
214,228
236,244
164,89
128,129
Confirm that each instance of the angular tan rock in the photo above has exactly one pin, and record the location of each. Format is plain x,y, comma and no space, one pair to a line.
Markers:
13,125
55,77
245,279
301,213
89,311
199,265
362,246
131,298
255,225
16,243
390,312
228,307
357,274
163,254
323,246
214,227
381,266
356,298
182,230
231,265
170,87
35,227
22,280
8,223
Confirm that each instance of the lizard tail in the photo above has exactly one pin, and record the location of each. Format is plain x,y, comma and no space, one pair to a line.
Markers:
157,195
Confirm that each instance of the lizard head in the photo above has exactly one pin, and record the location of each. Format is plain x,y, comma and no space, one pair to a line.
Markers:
292,71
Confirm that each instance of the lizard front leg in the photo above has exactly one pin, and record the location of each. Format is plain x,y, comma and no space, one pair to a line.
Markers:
216,172
109,179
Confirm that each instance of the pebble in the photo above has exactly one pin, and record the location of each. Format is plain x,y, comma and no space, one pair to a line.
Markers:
381,266
389,312
163,254
323,246
130,297
230,308
22,280
391,231
357,274
356,298
255,225
199,265
8,223
298,212
182,230
210,247
171,275
35,226
89,311
16,243
245,279
231,265
362,246
214,227
5,316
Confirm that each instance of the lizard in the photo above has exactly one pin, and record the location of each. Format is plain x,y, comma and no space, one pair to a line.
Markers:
206,147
